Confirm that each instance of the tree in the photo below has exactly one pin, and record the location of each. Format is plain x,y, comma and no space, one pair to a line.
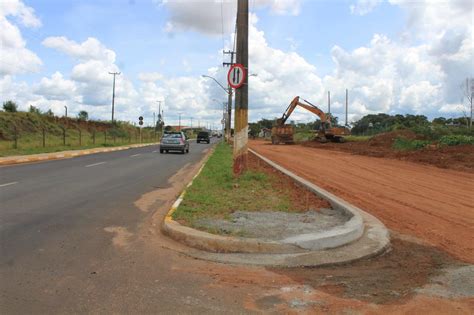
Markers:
10,106
83,115
49,113
34,110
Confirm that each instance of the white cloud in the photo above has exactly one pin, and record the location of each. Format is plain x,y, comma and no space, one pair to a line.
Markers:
90,49
214,17
25,14
56,87
15,57
363,7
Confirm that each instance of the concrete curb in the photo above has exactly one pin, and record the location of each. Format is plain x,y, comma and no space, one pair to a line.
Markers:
349,232
64,154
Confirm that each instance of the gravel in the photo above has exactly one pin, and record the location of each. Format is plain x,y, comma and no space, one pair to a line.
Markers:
273,225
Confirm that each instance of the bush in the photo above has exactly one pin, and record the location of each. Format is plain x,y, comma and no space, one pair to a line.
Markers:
10,106
456,140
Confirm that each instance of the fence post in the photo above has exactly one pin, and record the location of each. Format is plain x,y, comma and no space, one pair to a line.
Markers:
15,138
80,137
44,137
105,136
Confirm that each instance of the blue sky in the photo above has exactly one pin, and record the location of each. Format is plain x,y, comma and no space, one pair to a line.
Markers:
387,53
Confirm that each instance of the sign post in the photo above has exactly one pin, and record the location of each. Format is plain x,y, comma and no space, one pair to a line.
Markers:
140,122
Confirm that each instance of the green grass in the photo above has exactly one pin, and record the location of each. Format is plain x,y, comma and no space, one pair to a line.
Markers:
32,143
357,138
215,193
404,144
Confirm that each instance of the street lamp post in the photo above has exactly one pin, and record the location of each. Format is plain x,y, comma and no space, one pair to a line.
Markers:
228,91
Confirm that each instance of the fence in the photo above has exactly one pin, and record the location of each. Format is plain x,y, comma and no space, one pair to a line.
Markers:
65,138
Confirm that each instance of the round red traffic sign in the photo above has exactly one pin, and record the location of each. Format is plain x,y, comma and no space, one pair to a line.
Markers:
236,75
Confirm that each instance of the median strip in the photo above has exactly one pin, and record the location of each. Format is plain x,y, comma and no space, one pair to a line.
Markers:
268,217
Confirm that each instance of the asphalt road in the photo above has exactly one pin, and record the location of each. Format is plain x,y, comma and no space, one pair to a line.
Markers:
69,238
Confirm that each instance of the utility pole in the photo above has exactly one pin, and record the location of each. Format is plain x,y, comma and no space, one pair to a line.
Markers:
179,125
329,102
154,125
113,94
347,100
65,107
241,94
229,98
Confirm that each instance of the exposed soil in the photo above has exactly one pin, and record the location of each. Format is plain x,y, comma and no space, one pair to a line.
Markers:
391,283
300,197
433,204
459,158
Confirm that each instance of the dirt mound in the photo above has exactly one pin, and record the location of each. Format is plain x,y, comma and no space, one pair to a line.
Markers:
387,139
451,157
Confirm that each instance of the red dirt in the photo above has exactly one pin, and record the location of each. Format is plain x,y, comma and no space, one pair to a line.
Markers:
432,204
455,157
301,199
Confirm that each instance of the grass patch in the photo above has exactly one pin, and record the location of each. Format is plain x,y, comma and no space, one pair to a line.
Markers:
215,193
404,144
357,138
456,140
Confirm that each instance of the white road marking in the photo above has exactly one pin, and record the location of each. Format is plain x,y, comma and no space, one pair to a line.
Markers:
8,184
90,165
135,155
154,151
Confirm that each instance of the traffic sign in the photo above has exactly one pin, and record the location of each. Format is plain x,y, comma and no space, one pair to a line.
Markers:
236,75
140,118
140,122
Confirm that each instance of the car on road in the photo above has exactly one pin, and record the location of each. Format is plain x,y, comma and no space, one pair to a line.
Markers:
203,136
174,141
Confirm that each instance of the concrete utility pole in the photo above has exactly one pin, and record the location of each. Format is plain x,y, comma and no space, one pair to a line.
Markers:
329,102
241,94
228,119
347,100
113,94
65,107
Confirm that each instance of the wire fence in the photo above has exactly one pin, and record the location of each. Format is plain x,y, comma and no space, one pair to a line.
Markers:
75,138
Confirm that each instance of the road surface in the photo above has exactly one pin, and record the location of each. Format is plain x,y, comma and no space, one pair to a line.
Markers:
70,237
432,204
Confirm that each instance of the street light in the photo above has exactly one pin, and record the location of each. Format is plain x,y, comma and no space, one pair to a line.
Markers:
222,87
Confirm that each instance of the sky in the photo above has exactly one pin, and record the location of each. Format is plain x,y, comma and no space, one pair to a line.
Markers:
395,56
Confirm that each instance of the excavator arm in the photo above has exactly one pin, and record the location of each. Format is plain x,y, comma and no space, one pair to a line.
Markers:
308,106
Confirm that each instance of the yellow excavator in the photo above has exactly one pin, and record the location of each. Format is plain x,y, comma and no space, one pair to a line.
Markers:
284,133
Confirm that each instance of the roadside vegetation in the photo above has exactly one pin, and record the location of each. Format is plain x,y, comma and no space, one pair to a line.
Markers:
32,132
216,193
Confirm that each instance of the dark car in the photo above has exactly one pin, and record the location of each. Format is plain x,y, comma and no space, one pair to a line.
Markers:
203,136
174,141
